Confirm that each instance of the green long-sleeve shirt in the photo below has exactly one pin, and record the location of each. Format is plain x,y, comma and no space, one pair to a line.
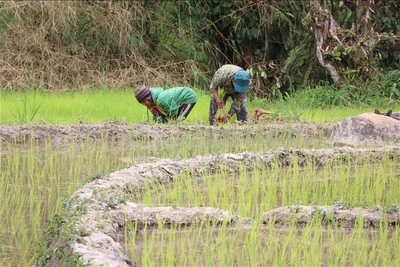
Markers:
168,101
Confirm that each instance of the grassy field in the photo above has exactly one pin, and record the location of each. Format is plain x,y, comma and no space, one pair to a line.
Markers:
81,107
35,179
120,106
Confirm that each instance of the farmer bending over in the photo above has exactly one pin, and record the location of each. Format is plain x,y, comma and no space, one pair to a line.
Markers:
171,104
235,82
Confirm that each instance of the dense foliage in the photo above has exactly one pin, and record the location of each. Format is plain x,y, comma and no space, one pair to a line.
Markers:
284,44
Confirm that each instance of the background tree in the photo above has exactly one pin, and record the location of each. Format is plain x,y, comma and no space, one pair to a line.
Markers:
286,45
296,43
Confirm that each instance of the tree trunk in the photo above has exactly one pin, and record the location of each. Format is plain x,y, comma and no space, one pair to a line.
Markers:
340,50
325,29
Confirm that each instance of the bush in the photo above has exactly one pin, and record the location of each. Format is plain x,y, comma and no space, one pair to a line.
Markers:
322,96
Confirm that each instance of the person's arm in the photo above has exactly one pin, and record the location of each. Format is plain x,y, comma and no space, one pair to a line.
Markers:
169,105
216,83
157,115
160,118
214,94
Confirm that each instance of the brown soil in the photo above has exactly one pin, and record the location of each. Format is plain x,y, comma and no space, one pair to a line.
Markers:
121,131
61,134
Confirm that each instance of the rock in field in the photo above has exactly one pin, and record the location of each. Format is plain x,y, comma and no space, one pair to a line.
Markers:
368,128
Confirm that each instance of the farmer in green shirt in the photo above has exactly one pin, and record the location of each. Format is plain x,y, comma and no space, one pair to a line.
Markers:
234,81
170,104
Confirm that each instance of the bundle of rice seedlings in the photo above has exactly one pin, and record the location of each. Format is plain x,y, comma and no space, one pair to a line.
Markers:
221,116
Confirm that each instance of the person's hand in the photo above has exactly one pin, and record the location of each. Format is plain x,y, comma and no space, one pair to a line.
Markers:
226,118
218,101
223,118
220,104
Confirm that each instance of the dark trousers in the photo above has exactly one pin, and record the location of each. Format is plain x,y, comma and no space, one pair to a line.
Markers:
241,115
183,112
185,109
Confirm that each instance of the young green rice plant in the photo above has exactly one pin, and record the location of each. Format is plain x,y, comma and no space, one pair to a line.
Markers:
249,193
34,179
355,185
70,107
119,106
311,245
29,109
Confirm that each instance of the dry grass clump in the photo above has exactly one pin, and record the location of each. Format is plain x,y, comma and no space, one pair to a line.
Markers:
260,114
75,44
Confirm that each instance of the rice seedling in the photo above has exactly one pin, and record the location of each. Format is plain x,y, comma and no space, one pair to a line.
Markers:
35,177
119,106
34,180
264,245
248,194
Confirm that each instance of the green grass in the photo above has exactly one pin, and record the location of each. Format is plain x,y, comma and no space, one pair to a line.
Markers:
116,106
313,245
120,106
35,179
249,194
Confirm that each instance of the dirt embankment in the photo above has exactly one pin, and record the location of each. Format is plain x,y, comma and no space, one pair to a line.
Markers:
100,228
95,216
60,134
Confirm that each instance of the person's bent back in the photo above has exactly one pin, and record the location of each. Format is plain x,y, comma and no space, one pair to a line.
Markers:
171,104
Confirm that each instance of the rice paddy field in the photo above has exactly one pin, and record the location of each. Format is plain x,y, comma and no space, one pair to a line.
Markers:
38,175
264,244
